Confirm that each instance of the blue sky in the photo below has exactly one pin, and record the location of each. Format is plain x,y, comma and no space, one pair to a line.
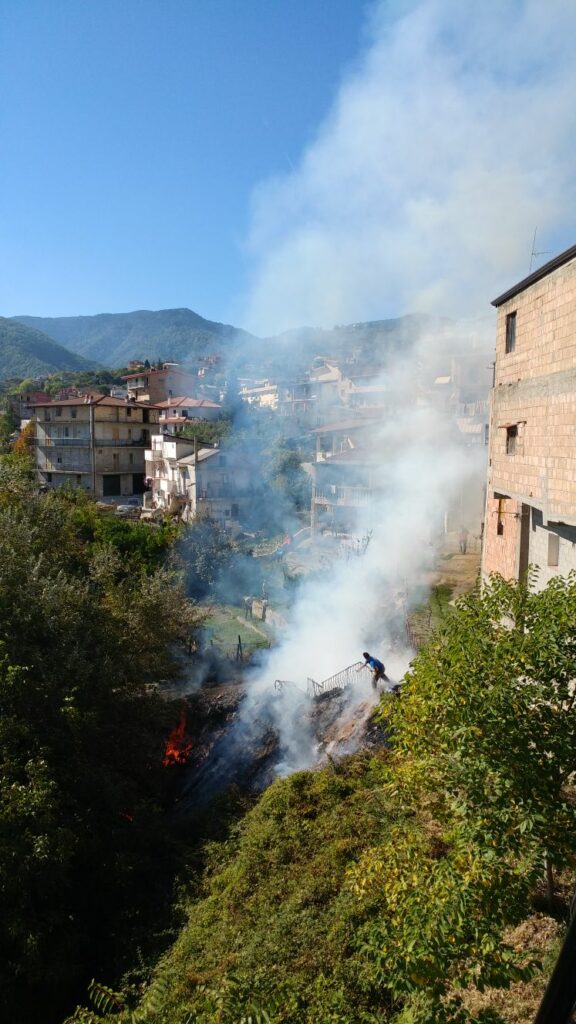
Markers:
273,163
133,133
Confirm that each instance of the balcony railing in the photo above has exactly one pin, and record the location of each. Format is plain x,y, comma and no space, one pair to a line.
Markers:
85,442
355,496
228,493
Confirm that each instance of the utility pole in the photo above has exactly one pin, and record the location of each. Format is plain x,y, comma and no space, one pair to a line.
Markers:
92,445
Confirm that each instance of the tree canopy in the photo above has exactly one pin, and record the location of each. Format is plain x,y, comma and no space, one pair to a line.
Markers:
81,741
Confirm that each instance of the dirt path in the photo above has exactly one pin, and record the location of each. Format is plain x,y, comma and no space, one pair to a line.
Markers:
457,571
247,624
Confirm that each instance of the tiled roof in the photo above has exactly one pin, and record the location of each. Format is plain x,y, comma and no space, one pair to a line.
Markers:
192,403
103,400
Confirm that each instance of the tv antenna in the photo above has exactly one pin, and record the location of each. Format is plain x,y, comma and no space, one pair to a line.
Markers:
542,252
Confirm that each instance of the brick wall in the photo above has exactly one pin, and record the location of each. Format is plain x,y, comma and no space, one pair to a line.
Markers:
535,393
500,552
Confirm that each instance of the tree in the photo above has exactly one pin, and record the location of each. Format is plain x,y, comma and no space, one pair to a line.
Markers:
491,701
206,551
81,743
484,745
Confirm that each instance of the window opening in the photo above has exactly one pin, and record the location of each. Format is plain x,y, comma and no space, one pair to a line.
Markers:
511,439
553,549
510,332
500,519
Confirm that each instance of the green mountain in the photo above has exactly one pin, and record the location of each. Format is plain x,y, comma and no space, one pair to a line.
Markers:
116,338
26,352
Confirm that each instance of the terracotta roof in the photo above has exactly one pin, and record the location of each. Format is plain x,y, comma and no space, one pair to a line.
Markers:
103,400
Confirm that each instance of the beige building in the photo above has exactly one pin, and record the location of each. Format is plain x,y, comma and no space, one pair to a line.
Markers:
186,479
158,384
97,443
176,413
531,493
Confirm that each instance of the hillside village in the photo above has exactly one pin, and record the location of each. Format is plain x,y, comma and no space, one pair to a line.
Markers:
142,443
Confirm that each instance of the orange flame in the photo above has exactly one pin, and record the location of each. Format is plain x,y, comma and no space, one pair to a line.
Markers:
178,747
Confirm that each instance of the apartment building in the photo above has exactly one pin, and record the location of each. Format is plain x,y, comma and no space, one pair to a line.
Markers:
346,473
97,443
157,384
186,478
175,413
530,514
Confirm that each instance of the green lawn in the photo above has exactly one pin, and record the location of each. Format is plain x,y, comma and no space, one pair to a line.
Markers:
226,622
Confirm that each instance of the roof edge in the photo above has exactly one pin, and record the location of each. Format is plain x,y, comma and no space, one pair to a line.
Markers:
547,268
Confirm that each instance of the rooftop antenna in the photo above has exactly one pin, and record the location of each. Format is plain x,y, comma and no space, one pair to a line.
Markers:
543,252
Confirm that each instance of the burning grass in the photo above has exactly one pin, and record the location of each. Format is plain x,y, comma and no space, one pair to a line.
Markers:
178,745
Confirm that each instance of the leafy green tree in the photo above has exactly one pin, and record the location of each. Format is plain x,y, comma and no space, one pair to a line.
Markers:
490,701
208,431
206,552
81,742
484,745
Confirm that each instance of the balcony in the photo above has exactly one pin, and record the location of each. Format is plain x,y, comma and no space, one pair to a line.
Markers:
85,442
355,497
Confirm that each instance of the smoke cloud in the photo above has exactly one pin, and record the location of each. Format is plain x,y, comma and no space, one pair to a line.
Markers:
445,148
361,601
447,145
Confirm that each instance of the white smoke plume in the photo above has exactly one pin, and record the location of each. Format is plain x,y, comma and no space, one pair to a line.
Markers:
450,143
361,602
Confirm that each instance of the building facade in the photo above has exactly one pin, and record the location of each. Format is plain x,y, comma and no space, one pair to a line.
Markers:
156,384
186,479
94,443
531,492
176,413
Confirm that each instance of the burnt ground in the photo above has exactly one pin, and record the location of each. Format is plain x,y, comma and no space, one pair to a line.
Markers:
242,752
238,752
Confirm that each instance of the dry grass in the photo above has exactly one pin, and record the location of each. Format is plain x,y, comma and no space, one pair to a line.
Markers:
538,936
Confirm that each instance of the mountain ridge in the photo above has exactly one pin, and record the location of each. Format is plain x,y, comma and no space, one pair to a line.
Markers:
117,338
28,352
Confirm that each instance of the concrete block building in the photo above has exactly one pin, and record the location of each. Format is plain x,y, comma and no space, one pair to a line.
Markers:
531,492
97,443
156,384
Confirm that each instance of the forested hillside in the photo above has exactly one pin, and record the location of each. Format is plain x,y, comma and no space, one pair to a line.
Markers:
117,338
183,336
27,352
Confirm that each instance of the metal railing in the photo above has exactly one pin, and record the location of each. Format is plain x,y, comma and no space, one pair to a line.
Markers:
86,442
339,681
344,496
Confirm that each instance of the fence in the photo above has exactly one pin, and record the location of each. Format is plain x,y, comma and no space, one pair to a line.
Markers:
336,683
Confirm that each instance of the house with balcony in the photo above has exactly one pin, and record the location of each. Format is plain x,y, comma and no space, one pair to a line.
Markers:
157,384
346,473
263,394
96,443
176,413
530,516
167,482
187,478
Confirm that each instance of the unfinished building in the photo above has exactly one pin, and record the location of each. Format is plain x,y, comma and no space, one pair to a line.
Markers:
531,493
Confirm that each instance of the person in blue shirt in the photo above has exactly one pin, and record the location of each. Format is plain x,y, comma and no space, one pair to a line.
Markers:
378,670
